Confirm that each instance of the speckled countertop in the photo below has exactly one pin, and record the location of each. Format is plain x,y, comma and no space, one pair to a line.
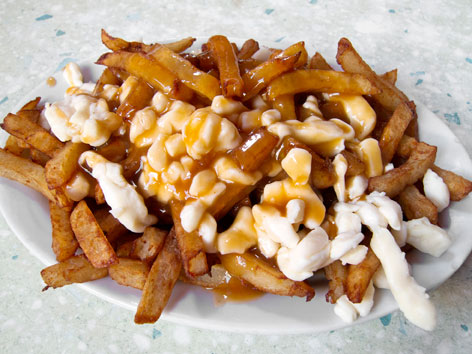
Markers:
428,41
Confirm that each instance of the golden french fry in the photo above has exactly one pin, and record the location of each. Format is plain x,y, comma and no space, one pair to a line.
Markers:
355,166
201,82
124,250
394,130
225,57
298,47
285,104
98,194
258,78
248,49
258,147
217,276
180,45
114,150
15,146
190,244
458,186
130,272
106,78
64,243
406,146
31,105
76,269
359,276
91,237
164,273
263,276
317,61
139,97
336,274
394,181
132,163
142,66
64,164
147,247
415,205
389,96
390,76
110,226
39,157
31,175
313,80
31,133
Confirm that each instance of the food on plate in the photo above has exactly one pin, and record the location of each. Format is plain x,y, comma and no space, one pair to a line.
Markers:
252,165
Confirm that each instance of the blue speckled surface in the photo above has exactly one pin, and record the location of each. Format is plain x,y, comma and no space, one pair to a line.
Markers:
429,44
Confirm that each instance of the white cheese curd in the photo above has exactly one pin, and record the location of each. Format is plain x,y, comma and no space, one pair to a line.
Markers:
363,308
265,244
388,208
343,243
159,102
311,253
436,190
427,237
280,230
345,310
380,280
207,231
226,107
297,164
295,210
73,75
401,235
356,186
311,104
347,222
354,256
125,202
340,167
78,187
191,214
270,116
370,215
240,236
411,297
388,167
143,121
82,118
346,207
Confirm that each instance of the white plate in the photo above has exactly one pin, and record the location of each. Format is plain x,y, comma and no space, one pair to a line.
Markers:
27,214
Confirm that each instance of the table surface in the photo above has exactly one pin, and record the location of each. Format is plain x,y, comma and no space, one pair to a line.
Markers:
429,43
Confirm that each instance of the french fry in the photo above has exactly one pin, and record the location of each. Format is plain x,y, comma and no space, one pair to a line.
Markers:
132,163
76,269
180,45
142,66
31,133
336,274
31,175
355,166
458,186
124,250
248,48
139,97
415,205
359,276
312,80
394,181
322,170
164,273
147,247
263,276
226,59
203,83
38,157
114,150
130,272
190,244
285,104
389,96
98,194
317,61
33,104
110,226
390,76
106,78
15,146
258,78
64,243
91,237
394,130
258,147
217,276
64,164
406,145
298,47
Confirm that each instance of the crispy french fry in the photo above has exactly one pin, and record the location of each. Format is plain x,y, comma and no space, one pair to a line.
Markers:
359,276
130,272
39,157
394,181
15,146
91,237
355,166
415,205
110,226
33,104
312,80
394,130
139,97
317,61
142,66
64,243
225,57
98,194
203,83
114,150
218,276
31,175
132,163
406,145
106,78
258,147
31,133
64,164
298,47
458,186
285,104
124,250
258,78
164,273
248,49
336,274
390,76
76,269
147,247
389,96
263,276
190,244
322,171
180,45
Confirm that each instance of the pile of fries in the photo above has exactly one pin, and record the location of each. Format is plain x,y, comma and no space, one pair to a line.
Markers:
90,243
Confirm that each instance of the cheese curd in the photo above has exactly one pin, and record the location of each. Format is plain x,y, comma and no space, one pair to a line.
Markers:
82,118
73,75
426,237
240,236
297,164
436,190
340,167
127,205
